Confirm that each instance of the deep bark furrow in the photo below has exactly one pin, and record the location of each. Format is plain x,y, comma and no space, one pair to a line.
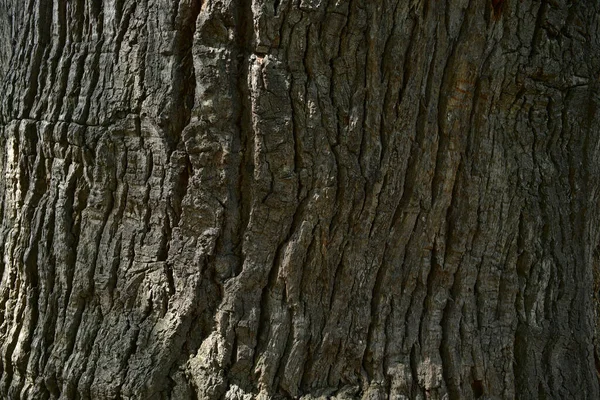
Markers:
260,199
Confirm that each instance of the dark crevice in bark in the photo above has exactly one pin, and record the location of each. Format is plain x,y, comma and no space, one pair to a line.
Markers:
244,40
95,67
478,388
498,7
123,20
538,31
467,244
184,77
66,113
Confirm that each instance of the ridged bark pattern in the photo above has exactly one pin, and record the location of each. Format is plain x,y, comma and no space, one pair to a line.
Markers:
355,199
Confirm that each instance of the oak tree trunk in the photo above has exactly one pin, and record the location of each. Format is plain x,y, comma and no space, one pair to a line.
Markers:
356,199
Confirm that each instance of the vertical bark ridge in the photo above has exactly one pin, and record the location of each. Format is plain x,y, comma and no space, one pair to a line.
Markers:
261,199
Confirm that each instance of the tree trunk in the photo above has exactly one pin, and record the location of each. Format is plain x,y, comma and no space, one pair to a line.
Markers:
362,199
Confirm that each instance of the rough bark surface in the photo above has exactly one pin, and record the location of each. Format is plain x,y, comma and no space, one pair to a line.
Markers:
356,199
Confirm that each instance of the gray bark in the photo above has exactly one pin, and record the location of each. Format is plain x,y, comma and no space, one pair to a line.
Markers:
361,199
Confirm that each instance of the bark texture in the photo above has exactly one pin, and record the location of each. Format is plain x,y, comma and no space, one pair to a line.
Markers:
356,199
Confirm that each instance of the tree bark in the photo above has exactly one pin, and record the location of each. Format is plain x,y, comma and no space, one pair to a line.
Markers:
355,199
